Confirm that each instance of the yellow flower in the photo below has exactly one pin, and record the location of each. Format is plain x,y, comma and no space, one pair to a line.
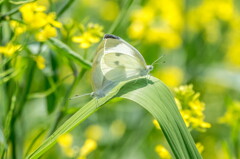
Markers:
91,35
69,151
232,117
65,140
88,146
158,22
166,37
191,108
109,10
118,128
172,76
156,124
200,147
145,15
9,49
18,27
33,15
35,18
94,132
40,62
136,30
51,20
208,13
162,152
232,55
47,32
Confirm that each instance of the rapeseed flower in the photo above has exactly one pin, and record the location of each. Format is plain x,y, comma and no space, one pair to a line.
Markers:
109,10
159,22
94,132
40,62
118,128
172,76
233,47
88,146
200,147
35,19
162,152
18,28
47,32
191,108
66,141
91,35
9,49
210,14
156,124
232,117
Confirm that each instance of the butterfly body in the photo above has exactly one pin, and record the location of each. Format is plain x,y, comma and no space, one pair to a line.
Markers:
116,61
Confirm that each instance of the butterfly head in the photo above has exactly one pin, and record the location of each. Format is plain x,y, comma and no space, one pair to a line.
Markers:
149,68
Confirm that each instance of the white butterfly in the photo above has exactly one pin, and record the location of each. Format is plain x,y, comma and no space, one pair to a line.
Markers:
116,61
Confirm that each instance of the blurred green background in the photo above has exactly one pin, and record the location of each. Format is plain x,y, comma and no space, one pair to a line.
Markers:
199,42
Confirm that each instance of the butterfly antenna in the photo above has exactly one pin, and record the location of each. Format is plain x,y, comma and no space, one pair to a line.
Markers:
78,96
158,59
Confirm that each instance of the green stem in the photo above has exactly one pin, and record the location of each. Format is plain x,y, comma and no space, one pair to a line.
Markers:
64,104
11,12
34,140
122,15
22,98
64,8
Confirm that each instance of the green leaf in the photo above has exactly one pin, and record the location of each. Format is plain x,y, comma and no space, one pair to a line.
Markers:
152,95
69,53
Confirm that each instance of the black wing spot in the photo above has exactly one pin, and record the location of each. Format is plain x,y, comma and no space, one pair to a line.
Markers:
110,36
116,62
118,54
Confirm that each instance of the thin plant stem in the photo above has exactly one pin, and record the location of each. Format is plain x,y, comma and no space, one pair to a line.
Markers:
64,8
120,17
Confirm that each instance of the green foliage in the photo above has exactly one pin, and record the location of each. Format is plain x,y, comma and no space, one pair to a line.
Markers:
152,95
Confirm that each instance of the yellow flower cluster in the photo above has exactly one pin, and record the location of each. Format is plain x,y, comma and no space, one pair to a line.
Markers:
159,22
40,62
109,14
171,75
156,124
88,146
9,49
108,10
232,116
66,143
209,15
18,28
94,132
162,152
118,128
233,47
191,108
37,20
90,35
200,147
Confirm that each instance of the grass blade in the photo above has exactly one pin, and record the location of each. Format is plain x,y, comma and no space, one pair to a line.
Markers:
152,95
69,53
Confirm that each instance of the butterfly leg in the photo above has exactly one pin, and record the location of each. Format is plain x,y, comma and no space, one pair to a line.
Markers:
147,78
96,101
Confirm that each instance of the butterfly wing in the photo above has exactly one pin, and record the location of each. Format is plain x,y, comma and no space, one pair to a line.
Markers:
97,75
115,61
121,61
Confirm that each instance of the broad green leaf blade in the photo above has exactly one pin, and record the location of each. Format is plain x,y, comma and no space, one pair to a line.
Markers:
152,95
156,98
69,53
